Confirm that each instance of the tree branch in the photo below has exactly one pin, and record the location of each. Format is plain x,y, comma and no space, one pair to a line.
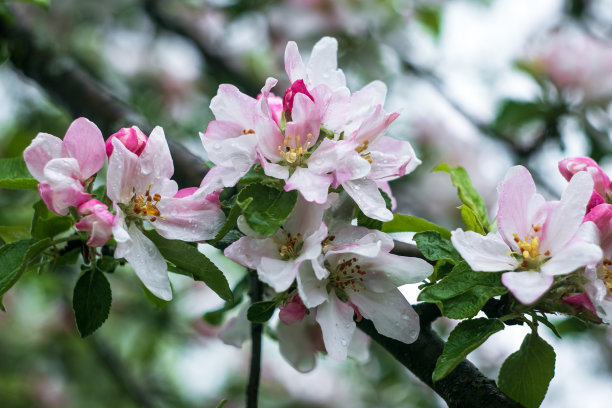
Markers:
256,294
464,387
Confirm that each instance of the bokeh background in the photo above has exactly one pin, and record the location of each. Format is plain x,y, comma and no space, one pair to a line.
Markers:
481,84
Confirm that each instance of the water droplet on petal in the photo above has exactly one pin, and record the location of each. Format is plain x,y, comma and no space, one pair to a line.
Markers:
343,342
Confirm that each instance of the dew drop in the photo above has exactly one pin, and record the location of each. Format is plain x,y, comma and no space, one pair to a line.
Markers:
343,342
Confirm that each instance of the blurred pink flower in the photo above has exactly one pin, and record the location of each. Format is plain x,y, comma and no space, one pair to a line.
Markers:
97,220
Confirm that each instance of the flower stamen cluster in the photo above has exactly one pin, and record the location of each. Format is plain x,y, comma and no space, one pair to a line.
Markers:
295,156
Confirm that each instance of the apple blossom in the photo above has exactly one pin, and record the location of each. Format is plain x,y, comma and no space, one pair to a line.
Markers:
97,220
141,190
537,240
63,167
132,138
356,272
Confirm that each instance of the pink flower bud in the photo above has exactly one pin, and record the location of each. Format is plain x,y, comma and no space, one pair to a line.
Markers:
97,220
573,165
293,311
276,106
132,138
297,87
580,300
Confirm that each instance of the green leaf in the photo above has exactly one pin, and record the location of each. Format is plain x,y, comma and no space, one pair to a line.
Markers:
430,15
525,374
265,208
216,316
462,293
466,337
222,403
409,223
42,3
193,263
13,233
13,259
15,174
468,196
513,114
436,248
46,223
91,301
230,223
107,263
159,303
261,312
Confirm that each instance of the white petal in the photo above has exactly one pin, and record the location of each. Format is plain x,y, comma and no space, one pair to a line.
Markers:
294,66
483,253
123,174
336,320
514,196
322,64
43,148
297,343
390,312
155,160
311,290
368,198
277,273
527,287
398,269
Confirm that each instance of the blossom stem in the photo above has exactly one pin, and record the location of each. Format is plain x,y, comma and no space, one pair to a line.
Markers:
256,292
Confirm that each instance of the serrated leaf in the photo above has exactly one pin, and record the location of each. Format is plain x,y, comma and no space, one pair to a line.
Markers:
12,259
230,223
91,301
525,374
409,223
194,263
462,293
261,312
436,248
13,233
467,194
265,208
15,174
46,223
465,338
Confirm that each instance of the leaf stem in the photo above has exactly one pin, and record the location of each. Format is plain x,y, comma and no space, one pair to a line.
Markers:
256,293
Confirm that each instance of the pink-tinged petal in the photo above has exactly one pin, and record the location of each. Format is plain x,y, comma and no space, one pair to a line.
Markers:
333,105
313,187
322,67
368,198
273,169
238,152
527,287
185,192
97,220
563,223
336,320
300,342
365,249
355,236
305,219
400,270
341,159
582,250
601,216
231,105
571,166
580,300
298,87
144,257
390,312
189,219
123,174
386,188
375,125
84,142
294,66
219,177
595,200
370,95
277,273
155,160
312,247
293,311
59,200
312,291
133,138
306,120
269,139
484,253
392,158
514,195
248,251
43,148
270,105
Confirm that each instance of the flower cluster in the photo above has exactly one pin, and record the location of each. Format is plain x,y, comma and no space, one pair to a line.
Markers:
139,191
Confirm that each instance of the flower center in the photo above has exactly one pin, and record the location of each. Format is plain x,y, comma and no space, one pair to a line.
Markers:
145,206
248,132
529,248
293,151
291,246
347,275
362,148
605,274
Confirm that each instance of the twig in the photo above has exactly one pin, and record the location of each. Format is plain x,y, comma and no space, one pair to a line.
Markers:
464,387
256,293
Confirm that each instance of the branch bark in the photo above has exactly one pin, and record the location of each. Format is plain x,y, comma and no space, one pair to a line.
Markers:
252,392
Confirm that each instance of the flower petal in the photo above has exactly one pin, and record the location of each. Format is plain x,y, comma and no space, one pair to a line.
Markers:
85,142
313,187
336,320
368,198
155,160
322,65
311,289
43,148
527,287
189,219
294,66
483,253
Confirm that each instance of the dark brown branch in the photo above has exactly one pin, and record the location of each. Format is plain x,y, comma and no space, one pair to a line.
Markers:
76,90
464,387
216,66
252,391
